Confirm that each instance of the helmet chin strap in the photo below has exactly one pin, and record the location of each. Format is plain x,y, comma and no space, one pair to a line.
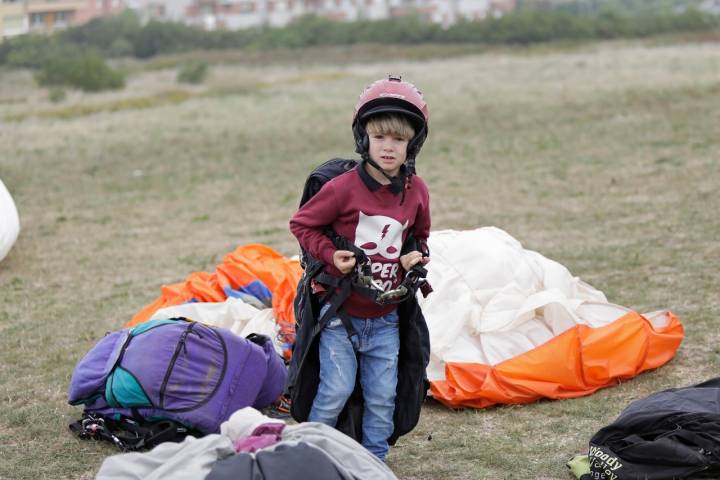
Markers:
397,183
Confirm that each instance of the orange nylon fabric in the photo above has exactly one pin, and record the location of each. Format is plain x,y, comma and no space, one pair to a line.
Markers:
237,269
577,362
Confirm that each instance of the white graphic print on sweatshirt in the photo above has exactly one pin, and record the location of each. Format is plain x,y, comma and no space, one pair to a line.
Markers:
381,235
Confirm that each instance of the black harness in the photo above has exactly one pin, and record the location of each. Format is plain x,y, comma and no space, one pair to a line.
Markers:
362,282
128,434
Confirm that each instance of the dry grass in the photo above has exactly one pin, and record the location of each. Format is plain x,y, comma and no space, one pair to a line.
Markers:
602,157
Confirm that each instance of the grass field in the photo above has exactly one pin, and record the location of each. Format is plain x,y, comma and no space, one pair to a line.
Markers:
603,157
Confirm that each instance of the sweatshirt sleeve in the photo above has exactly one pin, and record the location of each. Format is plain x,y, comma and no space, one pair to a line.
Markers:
308,222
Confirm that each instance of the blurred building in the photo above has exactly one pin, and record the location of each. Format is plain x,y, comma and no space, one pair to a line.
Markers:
99,8
46,16
163,10
239,14
711,6
13,18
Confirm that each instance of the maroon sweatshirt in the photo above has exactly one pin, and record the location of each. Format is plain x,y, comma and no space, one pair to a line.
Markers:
371,217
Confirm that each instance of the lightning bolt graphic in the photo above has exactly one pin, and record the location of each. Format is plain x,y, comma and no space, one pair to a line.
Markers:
385,231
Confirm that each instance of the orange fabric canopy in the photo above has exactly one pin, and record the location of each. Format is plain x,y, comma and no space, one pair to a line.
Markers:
577,362
239,269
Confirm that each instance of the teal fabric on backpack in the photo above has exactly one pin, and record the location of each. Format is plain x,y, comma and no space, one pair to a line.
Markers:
144,327
123,390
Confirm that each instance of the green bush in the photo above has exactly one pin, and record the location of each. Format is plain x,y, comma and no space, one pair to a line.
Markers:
85,71
31,51
56,95
165,37
193,72
120,47
112,35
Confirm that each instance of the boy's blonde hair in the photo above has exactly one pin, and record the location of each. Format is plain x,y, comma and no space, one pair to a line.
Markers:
390,124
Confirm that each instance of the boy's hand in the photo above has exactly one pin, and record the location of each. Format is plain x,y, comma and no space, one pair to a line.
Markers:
344,260
411,259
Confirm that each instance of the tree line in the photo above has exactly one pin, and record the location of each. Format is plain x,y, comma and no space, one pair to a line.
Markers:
84,48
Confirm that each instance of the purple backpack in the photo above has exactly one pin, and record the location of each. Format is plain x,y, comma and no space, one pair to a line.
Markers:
179,370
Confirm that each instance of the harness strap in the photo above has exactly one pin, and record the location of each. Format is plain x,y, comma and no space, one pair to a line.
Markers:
328,280
336,298
414,281
347,323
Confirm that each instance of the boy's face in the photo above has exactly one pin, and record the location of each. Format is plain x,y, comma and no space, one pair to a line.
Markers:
388,151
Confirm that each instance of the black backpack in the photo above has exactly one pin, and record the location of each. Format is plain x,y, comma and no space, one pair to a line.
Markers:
323,174
315,181
668,435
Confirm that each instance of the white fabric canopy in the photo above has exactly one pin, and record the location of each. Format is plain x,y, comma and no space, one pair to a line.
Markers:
9,221
234,314
494,300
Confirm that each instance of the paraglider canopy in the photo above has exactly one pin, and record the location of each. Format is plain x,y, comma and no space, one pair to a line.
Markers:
9,221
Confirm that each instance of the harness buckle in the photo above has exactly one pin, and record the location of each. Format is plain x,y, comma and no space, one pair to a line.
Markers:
392,295
365,279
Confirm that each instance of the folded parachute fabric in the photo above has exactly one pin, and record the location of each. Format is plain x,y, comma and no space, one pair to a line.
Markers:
307,450
9,221
255,273
508,325
235,314
672,434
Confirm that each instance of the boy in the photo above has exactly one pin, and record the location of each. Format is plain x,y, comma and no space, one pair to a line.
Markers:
374,206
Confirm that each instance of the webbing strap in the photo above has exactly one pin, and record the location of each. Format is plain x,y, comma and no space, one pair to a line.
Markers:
332,283
337,297
347,323
328,280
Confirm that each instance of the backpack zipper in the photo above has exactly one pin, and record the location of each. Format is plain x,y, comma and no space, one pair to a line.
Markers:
220,379
180,345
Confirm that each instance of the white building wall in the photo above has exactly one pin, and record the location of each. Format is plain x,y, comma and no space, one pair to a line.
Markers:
473,9
374,9
175,10
448,12
240,21
282,13
12,24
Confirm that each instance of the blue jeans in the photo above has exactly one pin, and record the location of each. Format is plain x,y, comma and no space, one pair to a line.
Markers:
378,344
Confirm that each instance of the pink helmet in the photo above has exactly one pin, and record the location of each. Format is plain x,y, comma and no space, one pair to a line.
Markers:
391,96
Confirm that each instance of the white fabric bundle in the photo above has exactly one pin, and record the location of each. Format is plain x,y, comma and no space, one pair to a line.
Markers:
234,314
494,300
9,221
